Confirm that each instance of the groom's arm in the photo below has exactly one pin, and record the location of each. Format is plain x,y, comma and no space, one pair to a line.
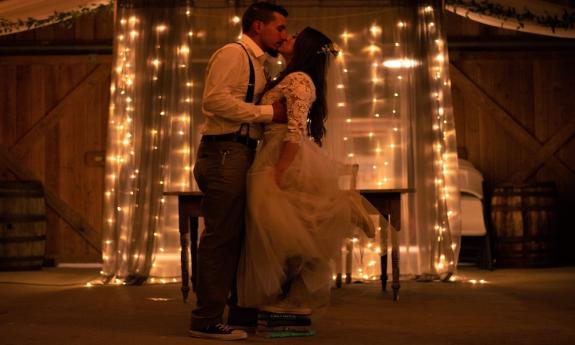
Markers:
225,85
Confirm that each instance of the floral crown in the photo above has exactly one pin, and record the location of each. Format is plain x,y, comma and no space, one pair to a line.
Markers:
329,48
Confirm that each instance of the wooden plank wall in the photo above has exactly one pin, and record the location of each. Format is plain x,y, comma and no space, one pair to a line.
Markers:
535,87
63,157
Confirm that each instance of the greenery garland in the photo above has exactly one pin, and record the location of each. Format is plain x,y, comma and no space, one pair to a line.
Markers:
484,7
65,18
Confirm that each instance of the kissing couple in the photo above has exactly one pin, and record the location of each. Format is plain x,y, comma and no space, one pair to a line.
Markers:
275,215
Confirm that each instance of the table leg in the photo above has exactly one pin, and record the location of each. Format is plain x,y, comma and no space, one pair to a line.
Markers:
395,264
348,260
183,227
383,277
339,267
383,234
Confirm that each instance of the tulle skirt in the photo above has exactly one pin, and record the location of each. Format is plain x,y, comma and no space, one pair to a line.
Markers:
296,229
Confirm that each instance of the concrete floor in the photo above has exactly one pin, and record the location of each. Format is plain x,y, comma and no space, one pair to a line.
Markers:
528,306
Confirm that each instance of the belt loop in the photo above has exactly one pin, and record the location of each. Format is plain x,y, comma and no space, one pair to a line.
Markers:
246,127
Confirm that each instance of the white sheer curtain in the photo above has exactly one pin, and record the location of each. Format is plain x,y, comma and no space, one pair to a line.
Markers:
393,99
400,125
148,140
432,224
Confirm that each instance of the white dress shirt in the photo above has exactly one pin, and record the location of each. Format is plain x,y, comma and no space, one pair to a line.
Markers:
225,90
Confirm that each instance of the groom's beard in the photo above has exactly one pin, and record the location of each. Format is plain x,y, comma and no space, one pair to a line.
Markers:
272,52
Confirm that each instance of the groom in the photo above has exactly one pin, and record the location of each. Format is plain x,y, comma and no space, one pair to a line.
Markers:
235,80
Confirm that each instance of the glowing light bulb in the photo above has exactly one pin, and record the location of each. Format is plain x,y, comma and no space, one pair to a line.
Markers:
372,48
346,35
184,50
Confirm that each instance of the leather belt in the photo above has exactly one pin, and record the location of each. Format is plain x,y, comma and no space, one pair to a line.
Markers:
231,137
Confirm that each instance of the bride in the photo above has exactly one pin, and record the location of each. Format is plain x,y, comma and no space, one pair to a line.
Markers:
297,214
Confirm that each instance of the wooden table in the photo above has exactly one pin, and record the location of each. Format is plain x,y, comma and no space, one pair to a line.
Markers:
387,202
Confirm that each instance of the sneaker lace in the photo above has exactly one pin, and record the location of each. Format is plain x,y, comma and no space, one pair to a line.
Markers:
223,328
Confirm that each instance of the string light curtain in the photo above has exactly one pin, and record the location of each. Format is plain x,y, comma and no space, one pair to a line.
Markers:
434,207
148,140
399,125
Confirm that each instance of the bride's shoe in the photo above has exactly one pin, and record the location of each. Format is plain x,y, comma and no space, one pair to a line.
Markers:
285,307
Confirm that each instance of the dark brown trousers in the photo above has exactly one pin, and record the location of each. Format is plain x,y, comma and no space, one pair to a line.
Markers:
220,172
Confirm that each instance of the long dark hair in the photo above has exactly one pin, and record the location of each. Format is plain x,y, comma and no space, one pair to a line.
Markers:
310,57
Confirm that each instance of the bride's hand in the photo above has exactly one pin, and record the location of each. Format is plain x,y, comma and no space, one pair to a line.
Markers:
278,175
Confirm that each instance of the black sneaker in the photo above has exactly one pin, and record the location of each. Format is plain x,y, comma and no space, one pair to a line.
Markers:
219,331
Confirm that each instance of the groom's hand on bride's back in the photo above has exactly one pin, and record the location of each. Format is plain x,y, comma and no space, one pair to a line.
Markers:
280,111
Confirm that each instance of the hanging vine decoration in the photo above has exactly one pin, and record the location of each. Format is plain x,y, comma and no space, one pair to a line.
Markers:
565,21
64,18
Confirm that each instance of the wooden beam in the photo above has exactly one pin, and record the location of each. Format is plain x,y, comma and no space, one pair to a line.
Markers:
76,221
506,120
548,150
48,121
55,59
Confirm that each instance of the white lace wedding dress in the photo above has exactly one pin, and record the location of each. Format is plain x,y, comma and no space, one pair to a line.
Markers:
294,231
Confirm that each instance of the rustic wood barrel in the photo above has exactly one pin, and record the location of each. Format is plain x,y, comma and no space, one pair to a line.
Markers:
524,220
22,225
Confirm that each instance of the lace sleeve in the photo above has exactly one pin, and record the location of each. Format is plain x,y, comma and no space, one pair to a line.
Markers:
300,95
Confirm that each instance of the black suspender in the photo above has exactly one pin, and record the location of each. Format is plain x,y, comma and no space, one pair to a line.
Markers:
252,81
